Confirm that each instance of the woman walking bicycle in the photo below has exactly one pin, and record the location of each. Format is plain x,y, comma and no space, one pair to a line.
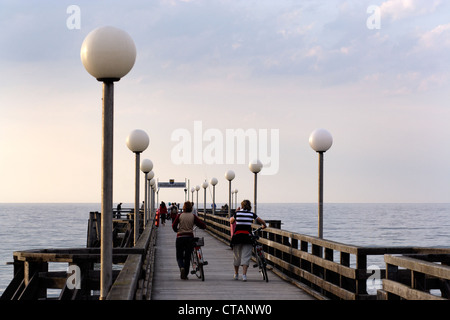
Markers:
241,240
183,225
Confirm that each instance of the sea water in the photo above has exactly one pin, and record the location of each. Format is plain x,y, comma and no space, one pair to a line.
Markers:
42,226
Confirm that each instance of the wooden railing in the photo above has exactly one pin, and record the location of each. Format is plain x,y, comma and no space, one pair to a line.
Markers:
417,277
134,282
32,275
324,268
33,278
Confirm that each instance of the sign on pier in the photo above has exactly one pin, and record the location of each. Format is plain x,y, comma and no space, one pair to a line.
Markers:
171,184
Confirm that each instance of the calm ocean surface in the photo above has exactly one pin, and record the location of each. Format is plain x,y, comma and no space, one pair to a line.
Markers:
39,226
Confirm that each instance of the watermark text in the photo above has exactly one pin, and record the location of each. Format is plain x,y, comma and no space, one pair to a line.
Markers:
234,146
374,20
73,22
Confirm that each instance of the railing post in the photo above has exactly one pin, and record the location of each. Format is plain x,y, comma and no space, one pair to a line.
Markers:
361,267
345,261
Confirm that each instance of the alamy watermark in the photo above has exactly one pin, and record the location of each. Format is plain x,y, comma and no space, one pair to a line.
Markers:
74,277
73,22
234,146
374,20
374,280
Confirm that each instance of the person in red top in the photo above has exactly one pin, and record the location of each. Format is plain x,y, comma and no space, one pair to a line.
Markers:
163,212
183,225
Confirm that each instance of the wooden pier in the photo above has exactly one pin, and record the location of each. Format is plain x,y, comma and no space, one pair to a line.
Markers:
219,283
302,267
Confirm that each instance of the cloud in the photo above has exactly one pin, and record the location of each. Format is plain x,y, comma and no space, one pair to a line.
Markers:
400,9
285,65
439,37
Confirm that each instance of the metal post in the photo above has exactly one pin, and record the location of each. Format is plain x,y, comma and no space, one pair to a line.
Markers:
153,202
254,196
145,201
157,194
320,194
229,199
149,209
204,204
157,204
197,200
214,200
107,190
136,200
232,200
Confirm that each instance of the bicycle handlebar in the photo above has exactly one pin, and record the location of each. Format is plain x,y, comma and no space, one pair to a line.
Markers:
256,231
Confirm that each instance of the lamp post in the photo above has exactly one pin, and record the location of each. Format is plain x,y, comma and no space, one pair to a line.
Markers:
232,199
146,167
108,54
235,199
153,187
255,166
320,140
189,183
204,185
150,176
157,197
229,175
197,187
137,142
213,182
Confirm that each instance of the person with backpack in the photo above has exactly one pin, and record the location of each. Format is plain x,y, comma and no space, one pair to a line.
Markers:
173,212
183,225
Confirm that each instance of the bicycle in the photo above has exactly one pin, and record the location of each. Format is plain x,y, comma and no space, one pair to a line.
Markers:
197,261
259,254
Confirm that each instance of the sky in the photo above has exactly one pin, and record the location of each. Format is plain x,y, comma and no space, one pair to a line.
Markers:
375,74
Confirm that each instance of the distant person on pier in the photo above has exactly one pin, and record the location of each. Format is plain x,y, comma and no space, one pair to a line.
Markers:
173,212
163,212
225,208
183,225
194,209
119,209
241,241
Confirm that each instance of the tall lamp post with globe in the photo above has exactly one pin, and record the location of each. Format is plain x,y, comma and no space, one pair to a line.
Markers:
204,185
229,175
213,182
146,167
108,54
255,166
197,187
150,176
137,142
320,140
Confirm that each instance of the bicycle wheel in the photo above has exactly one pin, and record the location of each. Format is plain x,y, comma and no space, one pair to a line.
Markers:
197,266
200,264
262,264
194,263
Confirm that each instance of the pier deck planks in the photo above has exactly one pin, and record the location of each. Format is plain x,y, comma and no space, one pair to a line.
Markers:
219,283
